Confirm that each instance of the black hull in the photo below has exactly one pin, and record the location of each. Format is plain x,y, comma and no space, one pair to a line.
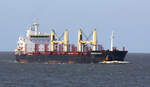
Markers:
91,57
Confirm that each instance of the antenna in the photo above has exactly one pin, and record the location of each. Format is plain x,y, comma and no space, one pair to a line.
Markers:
112,41
36,25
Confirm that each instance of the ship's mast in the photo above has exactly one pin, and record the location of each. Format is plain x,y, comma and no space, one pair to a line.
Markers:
92,42
36,25
79,40
54,41
112,41
66,41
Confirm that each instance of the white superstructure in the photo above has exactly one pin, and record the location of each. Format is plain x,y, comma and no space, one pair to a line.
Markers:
33,41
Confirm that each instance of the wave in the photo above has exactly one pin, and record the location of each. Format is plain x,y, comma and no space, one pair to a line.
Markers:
114,62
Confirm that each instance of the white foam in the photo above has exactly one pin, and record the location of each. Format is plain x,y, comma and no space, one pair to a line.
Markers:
114,62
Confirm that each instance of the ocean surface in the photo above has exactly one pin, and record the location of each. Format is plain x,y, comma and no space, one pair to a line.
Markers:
134,74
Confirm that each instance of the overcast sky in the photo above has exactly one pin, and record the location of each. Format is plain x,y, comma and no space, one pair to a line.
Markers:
129,19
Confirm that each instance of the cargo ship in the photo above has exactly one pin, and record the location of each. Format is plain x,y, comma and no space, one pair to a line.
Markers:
49,48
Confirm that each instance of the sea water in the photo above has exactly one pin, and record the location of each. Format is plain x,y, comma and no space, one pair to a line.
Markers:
136,73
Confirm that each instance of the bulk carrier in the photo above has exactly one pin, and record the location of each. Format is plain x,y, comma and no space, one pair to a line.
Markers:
48,48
